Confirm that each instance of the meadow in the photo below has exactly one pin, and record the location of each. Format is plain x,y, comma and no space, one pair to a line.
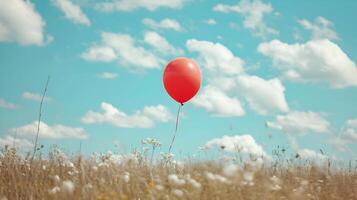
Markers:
146,174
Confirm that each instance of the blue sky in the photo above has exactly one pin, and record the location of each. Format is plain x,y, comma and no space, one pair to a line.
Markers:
274,73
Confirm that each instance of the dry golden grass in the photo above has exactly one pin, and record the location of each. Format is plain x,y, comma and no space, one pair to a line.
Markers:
110,176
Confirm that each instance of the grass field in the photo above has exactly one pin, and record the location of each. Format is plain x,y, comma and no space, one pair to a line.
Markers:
111,176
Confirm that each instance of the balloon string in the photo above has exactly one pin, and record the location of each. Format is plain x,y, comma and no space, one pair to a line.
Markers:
177,122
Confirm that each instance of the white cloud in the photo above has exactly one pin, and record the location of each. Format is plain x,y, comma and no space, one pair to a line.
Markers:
311,155
99,53
8,105
21,23
314,61
350,130
126,52
35,97
158,113
211,21
227,80
166,23
347,135
297,122
215,57
237,143
130,5
108,75
161,44
339,144
263,96
297,35
224,83
72,11
19,143
145,118
56,131
253,12
321,28
216,101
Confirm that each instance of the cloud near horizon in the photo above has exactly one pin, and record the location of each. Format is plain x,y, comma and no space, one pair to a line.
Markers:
56,131
298,123
237,143
145,118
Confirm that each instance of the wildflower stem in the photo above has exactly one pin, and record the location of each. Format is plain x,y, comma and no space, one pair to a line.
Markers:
152,154
39,118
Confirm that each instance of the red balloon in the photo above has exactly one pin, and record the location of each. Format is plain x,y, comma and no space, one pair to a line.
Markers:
182,79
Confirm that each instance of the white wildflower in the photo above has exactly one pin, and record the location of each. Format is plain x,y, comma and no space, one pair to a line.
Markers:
159,187
193,182
103,164
126,177
56,179
74,172
248,176
167,156
88,186
69,164
175,180
275,187
216,177
221,179
68,186
275,183
177,192
118,159
210,176
54,190
230,170
297,192
152,141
